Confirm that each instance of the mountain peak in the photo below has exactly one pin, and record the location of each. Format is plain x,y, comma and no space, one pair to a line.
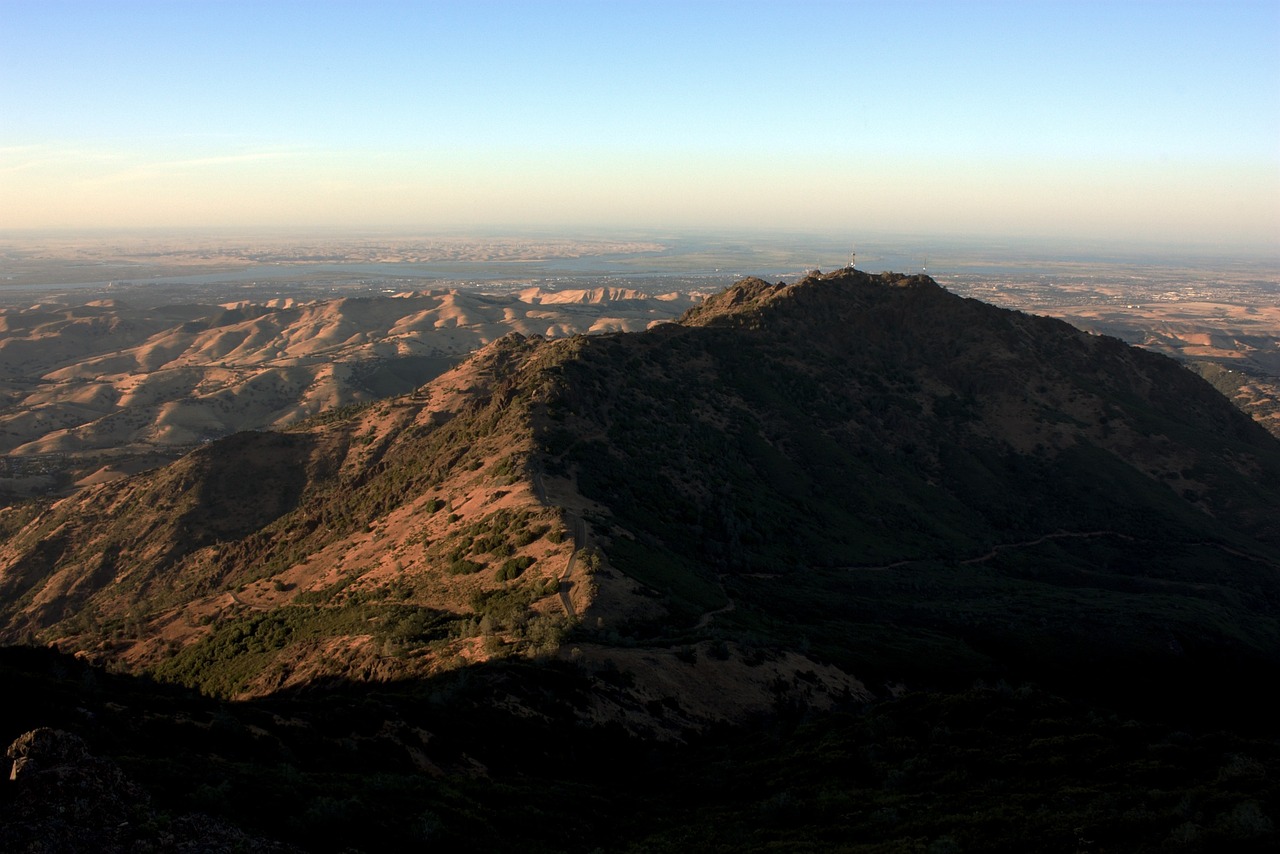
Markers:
812,296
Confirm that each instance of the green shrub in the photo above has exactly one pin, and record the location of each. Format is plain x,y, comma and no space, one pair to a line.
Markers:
490,543
513,567
546,586
462,566
528,535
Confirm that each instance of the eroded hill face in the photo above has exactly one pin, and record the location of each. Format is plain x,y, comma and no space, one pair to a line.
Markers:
372,546
90,392
799,494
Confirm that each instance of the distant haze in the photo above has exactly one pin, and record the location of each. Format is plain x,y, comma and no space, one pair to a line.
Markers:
1129,121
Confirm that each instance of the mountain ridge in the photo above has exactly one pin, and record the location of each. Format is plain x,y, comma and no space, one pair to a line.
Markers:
668,490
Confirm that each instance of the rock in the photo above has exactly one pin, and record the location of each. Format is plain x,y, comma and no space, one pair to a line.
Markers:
63,799
44,747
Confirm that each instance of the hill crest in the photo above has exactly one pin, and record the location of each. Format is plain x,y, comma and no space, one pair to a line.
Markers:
752,296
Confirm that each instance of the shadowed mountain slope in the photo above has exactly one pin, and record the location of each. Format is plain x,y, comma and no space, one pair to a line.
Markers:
911,482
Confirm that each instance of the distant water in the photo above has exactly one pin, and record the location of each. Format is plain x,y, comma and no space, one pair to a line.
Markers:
441,271
720,259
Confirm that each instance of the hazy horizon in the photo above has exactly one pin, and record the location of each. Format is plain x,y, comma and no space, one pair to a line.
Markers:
1124,124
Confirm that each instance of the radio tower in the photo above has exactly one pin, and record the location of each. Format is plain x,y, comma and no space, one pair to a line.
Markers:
852,257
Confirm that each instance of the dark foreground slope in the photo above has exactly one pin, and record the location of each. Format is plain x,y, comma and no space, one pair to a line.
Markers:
1052,558
436,765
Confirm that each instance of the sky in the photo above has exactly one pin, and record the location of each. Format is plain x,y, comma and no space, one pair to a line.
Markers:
1152,122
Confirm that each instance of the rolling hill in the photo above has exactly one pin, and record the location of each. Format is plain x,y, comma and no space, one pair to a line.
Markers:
94,391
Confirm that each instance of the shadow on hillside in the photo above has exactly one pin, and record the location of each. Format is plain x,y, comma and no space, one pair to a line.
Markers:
245,482
492,758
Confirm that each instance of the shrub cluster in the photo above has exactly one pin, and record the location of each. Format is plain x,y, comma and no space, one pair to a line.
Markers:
512,567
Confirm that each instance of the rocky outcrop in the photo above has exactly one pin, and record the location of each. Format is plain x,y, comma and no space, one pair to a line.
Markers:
63,799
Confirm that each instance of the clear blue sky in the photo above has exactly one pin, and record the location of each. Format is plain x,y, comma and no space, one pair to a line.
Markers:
1145,121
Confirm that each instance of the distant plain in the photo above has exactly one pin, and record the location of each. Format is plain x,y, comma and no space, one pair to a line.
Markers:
121,350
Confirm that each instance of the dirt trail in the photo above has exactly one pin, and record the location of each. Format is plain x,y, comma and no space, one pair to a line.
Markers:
579,543
1060,535
995,550
705,619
